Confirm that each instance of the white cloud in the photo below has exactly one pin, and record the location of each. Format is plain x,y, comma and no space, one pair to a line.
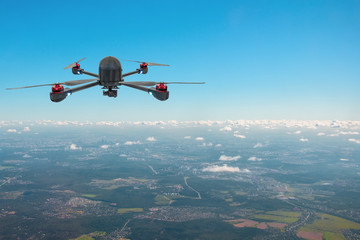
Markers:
239,136
187,137
268,124
26,129
199,139
226,129
117,144
132,142
218,145
151,139
11,130
354,140
229,158
349,133
321,134
297,132
303,140
255,159
104,146
343,133
344,159
74,147
207,144
225,168
26,156
258,145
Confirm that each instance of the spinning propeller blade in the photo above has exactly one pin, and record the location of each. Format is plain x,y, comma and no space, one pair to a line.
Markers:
148,83
148,63
73,64
68,83
77,82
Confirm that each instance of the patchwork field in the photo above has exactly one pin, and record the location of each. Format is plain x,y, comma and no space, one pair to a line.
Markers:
129,210
89,195
330,226
279,216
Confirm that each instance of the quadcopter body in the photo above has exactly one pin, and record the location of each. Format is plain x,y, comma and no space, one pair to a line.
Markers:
110,77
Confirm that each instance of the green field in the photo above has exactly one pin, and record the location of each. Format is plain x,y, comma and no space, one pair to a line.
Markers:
279,216
5,167
89,195
240,193
331,226
162,200
284,213
128,210
10,195
91,236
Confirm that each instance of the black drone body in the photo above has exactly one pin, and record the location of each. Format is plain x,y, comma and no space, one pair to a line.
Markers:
110,77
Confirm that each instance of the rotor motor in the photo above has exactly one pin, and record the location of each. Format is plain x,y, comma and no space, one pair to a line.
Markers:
143,68
161,87
76,70
58,93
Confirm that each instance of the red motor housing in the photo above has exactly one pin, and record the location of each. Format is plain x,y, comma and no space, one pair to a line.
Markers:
161,87
58,93
77,70
57,88
143,68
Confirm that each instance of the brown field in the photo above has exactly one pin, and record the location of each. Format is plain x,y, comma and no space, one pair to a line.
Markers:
262,226
240,223
276,225
247,223
310,235
236,220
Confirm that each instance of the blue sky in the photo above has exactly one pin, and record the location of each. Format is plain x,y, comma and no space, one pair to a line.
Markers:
259,59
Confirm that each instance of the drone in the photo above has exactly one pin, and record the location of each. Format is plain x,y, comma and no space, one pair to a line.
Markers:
110,77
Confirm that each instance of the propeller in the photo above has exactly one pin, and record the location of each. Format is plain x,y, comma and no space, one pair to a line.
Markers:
146,83
148,63
74,64
68,83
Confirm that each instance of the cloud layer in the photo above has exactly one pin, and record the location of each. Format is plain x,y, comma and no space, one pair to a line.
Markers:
224,125
225,168
254,159
132,142
151,139
74,147
229,158
303,140
258,145
354,140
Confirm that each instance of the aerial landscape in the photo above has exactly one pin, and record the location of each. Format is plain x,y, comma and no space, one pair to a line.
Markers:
180,180
190,120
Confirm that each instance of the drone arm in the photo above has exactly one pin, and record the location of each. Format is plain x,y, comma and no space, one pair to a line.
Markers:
70,91
137,71
58,97
136,87
159,95
89,73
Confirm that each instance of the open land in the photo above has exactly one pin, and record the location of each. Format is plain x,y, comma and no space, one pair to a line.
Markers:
62,184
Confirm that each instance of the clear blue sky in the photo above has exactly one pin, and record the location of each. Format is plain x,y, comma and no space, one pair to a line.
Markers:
260,59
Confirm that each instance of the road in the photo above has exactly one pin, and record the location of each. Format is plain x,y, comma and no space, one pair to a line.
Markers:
152,169
185,180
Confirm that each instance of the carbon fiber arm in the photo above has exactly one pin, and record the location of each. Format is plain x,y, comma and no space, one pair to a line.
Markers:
137,71
82,87
89,73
